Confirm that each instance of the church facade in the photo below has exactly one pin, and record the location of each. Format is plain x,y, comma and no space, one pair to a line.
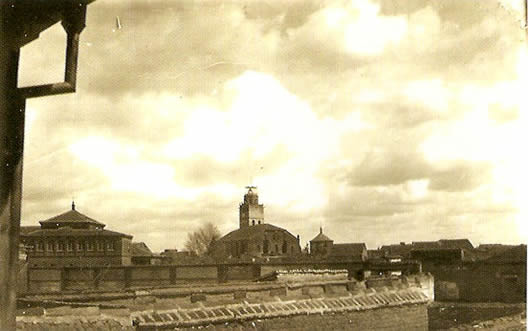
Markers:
254,237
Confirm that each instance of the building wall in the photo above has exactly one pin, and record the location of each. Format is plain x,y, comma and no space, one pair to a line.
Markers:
320,247
88,250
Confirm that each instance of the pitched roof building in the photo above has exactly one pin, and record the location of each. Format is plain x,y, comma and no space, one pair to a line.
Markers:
74,239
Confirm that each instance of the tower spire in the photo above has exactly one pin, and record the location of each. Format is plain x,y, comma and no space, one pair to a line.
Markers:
73,204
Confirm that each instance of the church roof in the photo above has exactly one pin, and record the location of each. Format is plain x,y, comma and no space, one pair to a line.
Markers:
321,237
72,216
252,231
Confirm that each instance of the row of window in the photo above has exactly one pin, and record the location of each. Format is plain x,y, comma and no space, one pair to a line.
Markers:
70,246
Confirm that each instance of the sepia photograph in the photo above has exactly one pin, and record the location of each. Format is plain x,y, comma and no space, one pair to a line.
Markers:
263,164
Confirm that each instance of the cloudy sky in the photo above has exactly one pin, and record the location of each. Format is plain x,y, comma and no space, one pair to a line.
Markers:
381,120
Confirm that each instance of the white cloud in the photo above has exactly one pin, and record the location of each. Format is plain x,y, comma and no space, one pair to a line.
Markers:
354,27
431,93
261,116
476,137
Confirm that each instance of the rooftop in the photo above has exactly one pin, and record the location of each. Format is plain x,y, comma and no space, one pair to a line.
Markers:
68,231
321,237
352,249
72,216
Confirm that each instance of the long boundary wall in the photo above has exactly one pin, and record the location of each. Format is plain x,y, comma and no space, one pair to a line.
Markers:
116,278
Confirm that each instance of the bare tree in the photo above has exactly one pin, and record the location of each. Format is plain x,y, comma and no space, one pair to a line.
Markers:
199,242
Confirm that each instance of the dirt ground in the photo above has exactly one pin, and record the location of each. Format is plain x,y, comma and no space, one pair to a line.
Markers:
464,316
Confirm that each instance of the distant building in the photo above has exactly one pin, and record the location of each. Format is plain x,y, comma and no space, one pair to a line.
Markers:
397,252
74,239
323,247
444,249
142,255
254,238
356,252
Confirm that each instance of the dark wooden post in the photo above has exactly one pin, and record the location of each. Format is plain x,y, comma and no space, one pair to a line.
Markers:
11,148
21,22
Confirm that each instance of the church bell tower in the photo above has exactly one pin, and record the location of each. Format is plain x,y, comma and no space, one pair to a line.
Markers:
251,212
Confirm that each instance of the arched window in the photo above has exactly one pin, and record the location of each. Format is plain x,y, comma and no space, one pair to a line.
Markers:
284,247
253,222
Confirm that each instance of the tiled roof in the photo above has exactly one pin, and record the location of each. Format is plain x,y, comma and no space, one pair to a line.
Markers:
141,249
515,254
353,249
425,244
67,231
397,250
456,243
71,216
206,315
321,237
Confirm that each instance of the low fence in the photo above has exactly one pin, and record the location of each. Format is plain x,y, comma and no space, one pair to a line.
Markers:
116,278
